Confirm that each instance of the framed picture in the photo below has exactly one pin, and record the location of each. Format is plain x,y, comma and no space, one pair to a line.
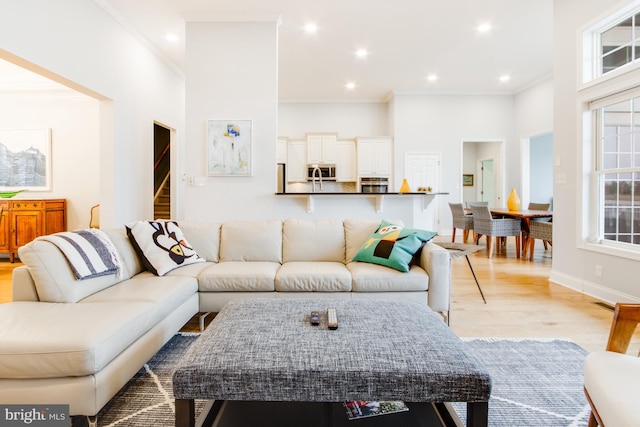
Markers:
229,148
467,180
25,159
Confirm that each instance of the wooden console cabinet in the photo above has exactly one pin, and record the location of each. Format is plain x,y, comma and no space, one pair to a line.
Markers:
23,220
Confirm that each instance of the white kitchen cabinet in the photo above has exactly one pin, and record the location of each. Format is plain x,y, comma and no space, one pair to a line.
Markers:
346,162
321,148
281,150
297,161
375,157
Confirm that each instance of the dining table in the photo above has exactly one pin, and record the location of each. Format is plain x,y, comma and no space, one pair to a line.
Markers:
526,215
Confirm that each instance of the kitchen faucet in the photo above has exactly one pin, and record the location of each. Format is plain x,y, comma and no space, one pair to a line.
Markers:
313,177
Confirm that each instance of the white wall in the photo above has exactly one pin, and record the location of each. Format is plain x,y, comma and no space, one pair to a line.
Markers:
534,109
349,120
574,266
224,84
78,43
440,124
73,120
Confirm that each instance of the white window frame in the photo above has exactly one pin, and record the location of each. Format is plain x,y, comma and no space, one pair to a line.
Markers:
596,91
591,41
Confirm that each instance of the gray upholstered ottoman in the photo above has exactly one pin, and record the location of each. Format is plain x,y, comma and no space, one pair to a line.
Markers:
267,350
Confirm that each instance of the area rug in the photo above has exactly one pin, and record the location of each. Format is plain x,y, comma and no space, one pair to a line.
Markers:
535,383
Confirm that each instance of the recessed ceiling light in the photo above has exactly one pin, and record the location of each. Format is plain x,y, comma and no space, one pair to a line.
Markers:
350,85
432,77
484,27
311,28
171,37
362,53
505,78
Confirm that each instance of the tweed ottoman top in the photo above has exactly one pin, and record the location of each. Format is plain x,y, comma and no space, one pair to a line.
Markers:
266,349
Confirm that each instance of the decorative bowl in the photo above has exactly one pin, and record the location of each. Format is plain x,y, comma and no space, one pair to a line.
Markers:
9,194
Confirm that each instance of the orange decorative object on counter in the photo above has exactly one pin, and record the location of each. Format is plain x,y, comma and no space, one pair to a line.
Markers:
513,202
404,188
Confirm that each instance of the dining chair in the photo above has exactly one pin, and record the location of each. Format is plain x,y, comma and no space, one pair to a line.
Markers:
461,221
468,204
539,230
541,207
611,376
494,228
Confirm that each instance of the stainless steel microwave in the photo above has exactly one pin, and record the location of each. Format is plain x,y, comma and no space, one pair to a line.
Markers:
374,185
328,172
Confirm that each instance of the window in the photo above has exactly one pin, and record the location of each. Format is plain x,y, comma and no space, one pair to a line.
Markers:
617,168
612,44
619,45
611,128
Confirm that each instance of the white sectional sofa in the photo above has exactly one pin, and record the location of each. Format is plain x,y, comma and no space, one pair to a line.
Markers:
78,342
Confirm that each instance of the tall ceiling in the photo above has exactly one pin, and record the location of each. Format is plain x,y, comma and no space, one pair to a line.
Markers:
407,40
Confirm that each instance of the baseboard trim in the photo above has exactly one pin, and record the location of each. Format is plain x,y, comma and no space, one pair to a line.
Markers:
591,289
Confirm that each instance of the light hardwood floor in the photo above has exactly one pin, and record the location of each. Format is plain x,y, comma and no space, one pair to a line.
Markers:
520,300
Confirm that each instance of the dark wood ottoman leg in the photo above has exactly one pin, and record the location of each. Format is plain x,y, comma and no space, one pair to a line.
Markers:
185,413
477,414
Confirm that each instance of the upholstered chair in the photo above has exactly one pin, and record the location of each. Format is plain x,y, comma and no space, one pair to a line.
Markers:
611,376
485,225
461,221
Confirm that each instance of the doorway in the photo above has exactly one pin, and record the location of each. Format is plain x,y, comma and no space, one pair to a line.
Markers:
483,160
537,169
161,172
486,182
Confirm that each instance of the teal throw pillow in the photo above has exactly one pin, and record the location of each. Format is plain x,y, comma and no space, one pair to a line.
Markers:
393,246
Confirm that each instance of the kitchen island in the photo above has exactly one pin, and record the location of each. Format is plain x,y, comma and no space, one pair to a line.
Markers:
427,198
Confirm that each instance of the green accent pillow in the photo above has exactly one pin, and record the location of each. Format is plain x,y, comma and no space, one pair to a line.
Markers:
393,246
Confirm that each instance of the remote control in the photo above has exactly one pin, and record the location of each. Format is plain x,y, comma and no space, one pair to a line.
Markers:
332,318
315,318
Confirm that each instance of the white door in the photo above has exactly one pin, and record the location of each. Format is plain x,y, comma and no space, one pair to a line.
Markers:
486,186
423,170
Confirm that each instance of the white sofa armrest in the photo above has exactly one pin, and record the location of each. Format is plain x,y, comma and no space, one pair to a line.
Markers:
23,286
437,263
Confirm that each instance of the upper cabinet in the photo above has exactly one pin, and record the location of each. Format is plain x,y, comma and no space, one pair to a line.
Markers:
321,148
297,161
281,150
346,162
375,156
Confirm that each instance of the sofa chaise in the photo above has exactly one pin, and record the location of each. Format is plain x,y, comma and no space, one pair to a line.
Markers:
77,342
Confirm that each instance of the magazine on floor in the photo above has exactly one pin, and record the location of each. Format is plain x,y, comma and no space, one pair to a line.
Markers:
365,408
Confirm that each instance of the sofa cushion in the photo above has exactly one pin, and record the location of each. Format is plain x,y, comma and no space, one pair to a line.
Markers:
54,278
233,276
393,246
130,259
251,241
68,339
161,245
204,238
315,240
167,293
376,278
313,277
